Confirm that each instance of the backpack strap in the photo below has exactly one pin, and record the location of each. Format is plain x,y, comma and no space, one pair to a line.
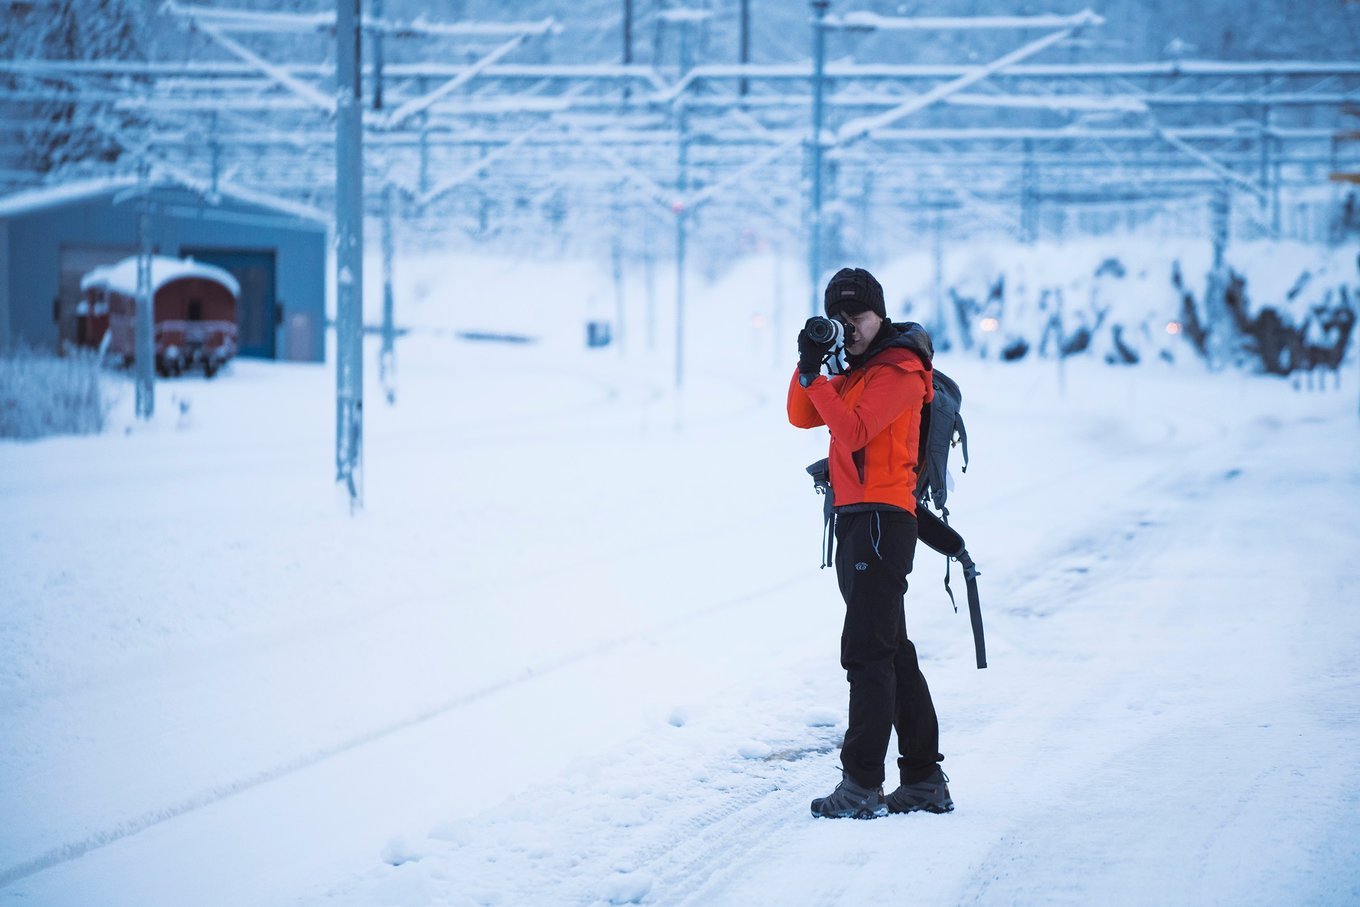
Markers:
821,483
938,535
828,530
963,439
970,573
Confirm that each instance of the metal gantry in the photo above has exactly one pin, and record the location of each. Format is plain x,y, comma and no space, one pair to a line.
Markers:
450,136
470,131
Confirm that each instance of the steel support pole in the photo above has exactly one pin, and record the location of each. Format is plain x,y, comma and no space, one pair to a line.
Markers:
649,279
866,235
937,279
349,247
377,36
387,357
1215,303
744,51
215,151
627,42
681,226
815,151
1221,219
144,325
681,215
620,297
1029,196
777,334
424,153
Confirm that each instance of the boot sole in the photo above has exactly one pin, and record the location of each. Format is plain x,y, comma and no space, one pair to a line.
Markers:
857,814
923,808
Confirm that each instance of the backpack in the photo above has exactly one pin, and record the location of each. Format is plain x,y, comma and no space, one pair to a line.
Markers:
941,429
941,424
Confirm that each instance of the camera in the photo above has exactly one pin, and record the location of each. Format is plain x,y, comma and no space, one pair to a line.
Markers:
830,335
827,333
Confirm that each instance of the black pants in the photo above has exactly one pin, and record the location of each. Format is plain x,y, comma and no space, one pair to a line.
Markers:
887,690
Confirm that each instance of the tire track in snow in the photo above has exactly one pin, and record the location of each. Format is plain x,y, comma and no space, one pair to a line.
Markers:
75,849
648,828
724,838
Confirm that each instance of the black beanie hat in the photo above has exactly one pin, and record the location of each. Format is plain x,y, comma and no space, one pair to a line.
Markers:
854,290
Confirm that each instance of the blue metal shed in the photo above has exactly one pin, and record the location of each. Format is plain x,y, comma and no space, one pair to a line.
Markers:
51,237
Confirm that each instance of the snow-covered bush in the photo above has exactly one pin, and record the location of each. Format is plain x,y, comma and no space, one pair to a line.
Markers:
1290,319
1111,299
1276,307
43,395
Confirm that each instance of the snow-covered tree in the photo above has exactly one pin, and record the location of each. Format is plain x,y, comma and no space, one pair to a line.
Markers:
65,131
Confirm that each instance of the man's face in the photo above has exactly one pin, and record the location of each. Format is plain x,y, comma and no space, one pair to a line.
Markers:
861,329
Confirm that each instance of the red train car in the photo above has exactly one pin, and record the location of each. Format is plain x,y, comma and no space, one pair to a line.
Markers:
194,306
92,312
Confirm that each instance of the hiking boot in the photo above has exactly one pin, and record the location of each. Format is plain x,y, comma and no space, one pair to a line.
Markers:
850,801
931,795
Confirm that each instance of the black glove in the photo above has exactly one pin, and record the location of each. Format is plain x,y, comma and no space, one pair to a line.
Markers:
810,356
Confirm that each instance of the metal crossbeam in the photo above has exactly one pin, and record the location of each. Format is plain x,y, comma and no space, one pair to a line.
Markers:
275,73
873,22
424,102
521,132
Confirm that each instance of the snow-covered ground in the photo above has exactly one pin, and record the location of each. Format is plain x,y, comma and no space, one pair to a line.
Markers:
577,649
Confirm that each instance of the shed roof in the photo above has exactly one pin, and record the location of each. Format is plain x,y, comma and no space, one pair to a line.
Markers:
43,198
122,277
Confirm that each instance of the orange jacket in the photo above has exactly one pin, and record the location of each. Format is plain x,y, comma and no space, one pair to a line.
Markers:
874,415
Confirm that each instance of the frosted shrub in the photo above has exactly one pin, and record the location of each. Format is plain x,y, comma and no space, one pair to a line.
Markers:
43,395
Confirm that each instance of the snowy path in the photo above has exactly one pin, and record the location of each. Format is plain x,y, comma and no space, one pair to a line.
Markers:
513,710
1163,722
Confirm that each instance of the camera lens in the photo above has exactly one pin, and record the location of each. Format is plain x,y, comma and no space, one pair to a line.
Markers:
822,330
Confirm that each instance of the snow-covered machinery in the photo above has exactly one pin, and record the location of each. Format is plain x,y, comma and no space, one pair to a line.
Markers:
194,305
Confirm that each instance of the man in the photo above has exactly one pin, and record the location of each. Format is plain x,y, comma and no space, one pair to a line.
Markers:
873,412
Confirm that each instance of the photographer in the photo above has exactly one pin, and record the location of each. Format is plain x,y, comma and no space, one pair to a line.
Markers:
872,407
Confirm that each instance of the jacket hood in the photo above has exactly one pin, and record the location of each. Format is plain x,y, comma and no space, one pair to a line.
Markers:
907,336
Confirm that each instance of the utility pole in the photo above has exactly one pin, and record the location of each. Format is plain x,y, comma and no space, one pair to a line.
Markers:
388,354
1221,329
937,282
1029,195
616,260
424,148
349,249
745,49
649,279
627,42
681,213
681,208
387,357
377,57
215,152
815,150
144,325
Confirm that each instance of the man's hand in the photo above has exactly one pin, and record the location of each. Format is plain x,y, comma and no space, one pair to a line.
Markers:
810,356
